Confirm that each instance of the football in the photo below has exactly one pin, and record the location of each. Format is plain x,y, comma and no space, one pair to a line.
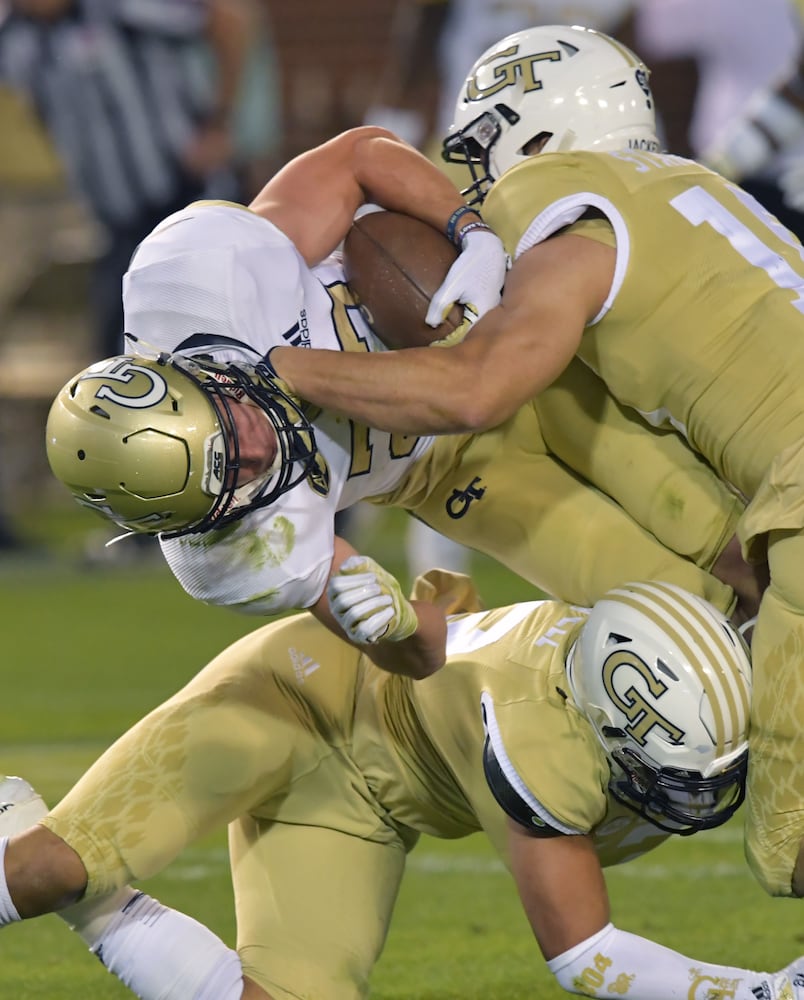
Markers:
393,264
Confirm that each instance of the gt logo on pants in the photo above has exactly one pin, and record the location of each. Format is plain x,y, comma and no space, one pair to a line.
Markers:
458,503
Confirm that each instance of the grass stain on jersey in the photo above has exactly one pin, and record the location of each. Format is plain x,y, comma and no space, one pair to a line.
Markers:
270,547
673,505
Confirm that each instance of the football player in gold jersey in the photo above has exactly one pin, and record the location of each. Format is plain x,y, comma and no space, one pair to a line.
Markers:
574,740
668,281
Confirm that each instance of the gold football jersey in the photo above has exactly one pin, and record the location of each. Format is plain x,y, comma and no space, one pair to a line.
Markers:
703,331
703,327
506,690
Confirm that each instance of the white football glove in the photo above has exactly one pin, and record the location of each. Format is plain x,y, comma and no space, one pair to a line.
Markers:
476,276
368,603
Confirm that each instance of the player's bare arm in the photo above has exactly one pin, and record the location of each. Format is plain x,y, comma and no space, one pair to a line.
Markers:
403,637
510,355
313,198
563,891
561,886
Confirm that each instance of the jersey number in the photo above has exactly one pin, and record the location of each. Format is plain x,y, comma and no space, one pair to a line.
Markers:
700,207
399,445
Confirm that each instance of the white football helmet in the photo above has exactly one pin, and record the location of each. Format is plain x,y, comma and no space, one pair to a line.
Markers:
567,87
665,680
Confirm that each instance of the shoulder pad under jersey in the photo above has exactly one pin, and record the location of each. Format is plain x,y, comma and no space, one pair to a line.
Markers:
508,788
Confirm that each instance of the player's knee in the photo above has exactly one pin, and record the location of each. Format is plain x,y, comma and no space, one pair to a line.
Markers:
774,863
43,872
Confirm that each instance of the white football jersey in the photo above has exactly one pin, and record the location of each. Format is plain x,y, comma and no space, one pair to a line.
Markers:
218,279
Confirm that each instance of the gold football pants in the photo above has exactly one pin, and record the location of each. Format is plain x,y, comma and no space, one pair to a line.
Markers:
261,739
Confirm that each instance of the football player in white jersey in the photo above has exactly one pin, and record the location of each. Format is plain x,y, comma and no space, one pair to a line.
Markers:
215,287
670,283
575,739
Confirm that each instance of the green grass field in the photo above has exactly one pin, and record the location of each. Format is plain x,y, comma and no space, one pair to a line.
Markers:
86,653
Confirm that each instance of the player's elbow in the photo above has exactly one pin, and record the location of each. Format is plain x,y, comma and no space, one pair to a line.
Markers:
360,143
475,391
471,410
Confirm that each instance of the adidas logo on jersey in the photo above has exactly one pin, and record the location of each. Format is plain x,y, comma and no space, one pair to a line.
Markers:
303,665
299,334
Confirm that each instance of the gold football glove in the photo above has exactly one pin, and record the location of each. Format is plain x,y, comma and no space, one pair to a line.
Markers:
368,603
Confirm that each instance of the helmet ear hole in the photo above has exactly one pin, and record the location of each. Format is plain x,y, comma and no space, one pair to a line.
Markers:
535,145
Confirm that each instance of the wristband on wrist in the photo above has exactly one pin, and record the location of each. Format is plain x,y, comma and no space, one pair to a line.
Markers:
453,221
471,227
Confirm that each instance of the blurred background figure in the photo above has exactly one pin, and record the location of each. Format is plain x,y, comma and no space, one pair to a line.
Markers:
112,116
739,51
38,224
141,124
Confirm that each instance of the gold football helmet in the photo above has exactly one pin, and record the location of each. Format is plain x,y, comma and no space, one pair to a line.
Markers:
152,445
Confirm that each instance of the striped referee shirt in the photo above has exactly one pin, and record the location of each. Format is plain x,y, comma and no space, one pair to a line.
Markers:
121,86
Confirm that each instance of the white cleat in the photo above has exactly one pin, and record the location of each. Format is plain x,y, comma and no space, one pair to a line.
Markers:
20,806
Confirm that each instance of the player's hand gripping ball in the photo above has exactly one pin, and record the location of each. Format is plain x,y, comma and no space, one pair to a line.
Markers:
393,264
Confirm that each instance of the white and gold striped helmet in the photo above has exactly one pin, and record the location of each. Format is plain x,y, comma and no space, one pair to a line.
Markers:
665,680
567,86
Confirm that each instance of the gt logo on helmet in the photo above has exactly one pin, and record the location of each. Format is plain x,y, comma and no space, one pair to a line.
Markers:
637,709
505,75
149,391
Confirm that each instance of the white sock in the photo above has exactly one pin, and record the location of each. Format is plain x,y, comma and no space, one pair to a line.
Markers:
90,918
159,953
8,912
